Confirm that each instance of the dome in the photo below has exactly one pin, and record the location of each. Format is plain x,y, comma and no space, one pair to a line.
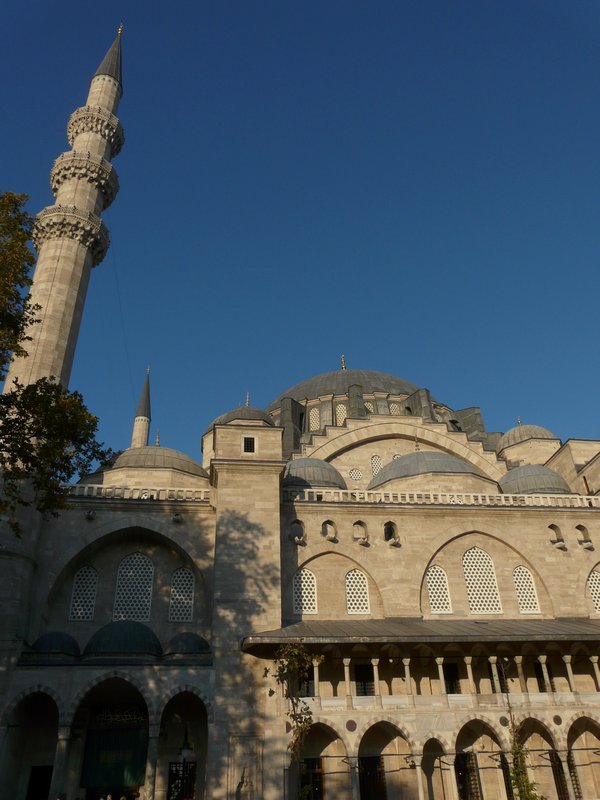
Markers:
188,643
312,472
242,413
339,381
56,642
158,458
421,462
533,479
123,637
521,433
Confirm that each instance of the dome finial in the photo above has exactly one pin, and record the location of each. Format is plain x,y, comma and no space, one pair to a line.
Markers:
519,423
247,399
157,440
343,360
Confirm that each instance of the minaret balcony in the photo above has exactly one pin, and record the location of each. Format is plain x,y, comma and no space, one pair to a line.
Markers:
85,167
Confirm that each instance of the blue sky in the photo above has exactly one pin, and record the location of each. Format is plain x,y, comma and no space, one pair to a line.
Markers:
413,184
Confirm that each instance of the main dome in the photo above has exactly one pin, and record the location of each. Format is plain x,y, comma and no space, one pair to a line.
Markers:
339,381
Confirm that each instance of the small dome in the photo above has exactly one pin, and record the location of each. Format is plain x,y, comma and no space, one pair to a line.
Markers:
310,473
123,637
242,413
533,479
421,462
158,458
188,643
56,642
521,433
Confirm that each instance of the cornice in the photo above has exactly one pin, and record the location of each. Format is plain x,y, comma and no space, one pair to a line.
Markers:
68,222
94,119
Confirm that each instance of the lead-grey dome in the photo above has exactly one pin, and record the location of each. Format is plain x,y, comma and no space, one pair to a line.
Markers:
242,413
521,433
158,458
533,479
124,637
56,642
421,462
339,381
311,473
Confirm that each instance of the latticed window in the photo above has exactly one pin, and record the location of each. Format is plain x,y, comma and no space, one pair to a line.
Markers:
305,592
525,589
370,406
395,409
594,588
133,595
341,412
314,418
83,599
355,474
357,592
376,465
480,580
181,606
439,592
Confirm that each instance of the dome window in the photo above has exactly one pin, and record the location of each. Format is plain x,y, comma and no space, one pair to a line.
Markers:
304,588
395,410
83,599
181,605
480,580
438,590
357,592
314,418
133,595
525,589
341,413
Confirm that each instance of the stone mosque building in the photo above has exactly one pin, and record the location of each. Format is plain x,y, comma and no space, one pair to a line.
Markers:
445,579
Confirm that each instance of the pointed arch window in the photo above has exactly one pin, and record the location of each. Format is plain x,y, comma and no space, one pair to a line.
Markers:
83,598
181,605
594,588
357,592
341,412
438,590
525,589
304,587
133,595
480,581
314,418
376,465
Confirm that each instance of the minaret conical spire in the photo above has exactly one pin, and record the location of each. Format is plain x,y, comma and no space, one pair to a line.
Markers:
70,236
141,421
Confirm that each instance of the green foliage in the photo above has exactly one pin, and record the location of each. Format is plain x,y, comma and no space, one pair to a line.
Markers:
523,787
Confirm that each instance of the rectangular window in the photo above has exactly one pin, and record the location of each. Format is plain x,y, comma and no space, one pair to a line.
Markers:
249,444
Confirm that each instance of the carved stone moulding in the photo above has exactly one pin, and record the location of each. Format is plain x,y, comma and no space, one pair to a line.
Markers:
94,119
68,222
83,166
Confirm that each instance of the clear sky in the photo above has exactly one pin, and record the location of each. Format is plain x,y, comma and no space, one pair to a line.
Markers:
413,184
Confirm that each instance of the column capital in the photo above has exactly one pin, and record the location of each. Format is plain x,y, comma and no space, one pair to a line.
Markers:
346,661
417,760
406,661
317,661
567,659
375,662
439,660
518,659
542,659
468,659
594,659
493,659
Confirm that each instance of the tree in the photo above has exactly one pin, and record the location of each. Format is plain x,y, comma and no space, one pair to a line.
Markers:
47,435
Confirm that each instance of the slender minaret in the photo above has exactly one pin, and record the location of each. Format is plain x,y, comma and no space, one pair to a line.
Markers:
141,421
70,236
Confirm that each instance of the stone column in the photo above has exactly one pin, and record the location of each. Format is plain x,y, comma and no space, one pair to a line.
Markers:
408,679
375,663
346,663
151,758
57,785
472,688
315,666
440,666
451,784
419,771
594,660
521,673
496,686
570,676
542,659
565,768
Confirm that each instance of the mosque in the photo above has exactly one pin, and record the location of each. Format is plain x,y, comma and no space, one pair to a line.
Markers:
444,579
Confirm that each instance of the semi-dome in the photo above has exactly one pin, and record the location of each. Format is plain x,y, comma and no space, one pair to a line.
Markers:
421,462
521,433
56,642
124,637
533,479
242,413
312,472
188,643
339,381
158,458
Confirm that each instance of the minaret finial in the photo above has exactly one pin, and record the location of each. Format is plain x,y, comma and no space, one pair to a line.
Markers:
519,423
343,360
247,399
120,29
157,440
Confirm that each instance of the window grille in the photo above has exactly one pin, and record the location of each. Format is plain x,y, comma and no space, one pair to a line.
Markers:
314,418
369,405
249,444
357,592
525,589
83,599
395,409
133,595
355,474
305,592
594,588
181,607
376,465
341,412
480,580
439,592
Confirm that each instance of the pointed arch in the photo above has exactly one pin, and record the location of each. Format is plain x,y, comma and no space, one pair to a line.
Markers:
527,597
357,592
480,582
438,590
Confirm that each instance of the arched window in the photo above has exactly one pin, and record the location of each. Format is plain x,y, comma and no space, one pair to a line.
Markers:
594,588
305,592
297,531
83,598
390,532
480,580
341,412
376,465
133,595
181,606
329,531
438,590
357,592
359,530
525,589
314,418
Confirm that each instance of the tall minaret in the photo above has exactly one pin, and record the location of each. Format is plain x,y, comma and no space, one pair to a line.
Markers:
69,235
141,421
